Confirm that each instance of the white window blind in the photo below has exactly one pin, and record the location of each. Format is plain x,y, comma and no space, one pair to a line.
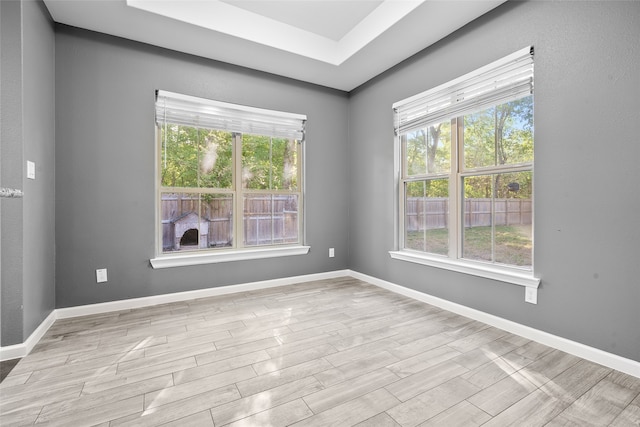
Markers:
504,80
200,112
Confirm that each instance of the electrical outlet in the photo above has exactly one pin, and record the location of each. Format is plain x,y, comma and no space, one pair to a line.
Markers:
531,295
31,170
101,275
332,253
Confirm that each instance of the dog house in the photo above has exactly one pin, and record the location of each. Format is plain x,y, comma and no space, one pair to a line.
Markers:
190,231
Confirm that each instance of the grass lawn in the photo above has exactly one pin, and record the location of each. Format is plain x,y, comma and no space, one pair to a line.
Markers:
512,243
434,241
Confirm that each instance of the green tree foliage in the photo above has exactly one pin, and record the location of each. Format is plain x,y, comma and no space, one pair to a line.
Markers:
501,135
428,151
203,158
269,163
194,157
428,188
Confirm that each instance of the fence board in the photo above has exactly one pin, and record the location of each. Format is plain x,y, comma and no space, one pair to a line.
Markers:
266,219
423,213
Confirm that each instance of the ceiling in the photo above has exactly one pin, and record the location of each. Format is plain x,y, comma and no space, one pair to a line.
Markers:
335,43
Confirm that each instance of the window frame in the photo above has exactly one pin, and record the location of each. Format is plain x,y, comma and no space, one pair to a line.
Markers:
239,252
454,261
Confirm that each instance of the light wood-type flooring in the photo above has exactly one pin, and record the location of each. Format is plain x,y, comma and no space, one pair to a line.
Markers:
336,352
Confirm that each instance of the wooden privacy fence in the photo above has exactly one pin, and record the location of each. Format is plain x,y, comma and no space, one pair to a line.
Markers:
270,219
207,222
423,213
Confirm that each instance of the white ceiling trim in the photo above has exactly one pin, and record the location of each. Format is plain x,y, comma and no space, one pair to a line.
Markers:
270,32
375,24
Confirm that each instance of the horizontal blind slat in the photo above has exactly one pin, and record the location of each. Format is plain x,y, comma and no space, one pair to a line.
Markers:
199,112
505,80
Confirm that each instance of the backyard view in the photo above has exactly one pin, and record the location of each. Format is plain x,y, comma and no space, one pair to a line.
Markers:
512,243
495,184
203,189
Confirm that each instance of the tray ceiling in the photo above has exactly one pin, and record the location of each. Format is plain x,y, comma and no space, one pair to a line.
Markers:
336,43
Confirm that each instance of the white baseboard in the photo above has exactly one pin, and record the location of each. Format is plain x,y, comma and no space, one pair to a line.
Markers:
592,354
21,350
106,307
18,351
604,358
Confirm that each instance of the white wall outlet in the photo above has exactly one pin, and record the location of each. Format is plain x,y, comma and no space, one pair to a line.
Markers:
101,275
31,170
332,252
531,295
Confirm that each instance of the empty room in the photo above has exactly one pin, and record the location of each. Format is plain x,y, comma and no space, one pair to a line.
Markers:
319,213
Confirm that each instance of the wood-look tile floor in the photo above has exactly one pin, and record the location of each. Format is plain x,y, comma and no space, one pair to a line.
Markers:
337,352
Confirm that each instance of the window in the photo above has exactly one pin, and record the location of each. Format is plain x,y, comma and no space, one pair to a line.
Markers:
464,159
229,179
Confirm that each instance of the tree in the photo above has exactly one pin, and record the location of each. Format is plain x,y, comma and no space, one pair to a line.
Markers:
269,163
499,135
428,151
194,157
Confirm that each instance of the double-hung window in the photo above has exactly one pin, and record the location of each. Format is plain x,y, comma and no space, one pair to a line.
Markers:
464,163
229,181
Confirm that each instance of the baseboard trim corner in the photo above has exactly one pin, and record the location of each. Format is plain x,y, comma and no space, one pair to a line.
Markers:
15,351
19,351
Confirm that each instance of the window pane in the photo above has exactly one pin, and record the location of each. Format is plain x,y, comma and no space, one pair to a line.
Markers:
428,150
513,213
180,221
216,159
497,212
478,219
179,161
216,213
194,157
427,216
256,162
270,219
269,163
196,221
500,135
284,164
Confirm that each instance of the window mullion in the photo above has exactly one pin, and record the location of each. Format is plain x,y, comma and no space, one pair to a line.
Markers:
273,226
490,170
401,162
161,143
199,184
238,209
493,218
456,218
271,163
302,222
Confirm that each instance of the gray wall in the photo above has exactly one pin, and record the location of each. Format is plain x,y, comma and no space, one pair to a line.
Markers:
28,133
11,162
38,103
105,166
587,150
587,130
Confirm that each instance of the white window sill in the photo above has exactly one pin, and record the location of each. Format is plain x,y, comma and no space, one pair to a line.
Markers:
212,257
513,276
